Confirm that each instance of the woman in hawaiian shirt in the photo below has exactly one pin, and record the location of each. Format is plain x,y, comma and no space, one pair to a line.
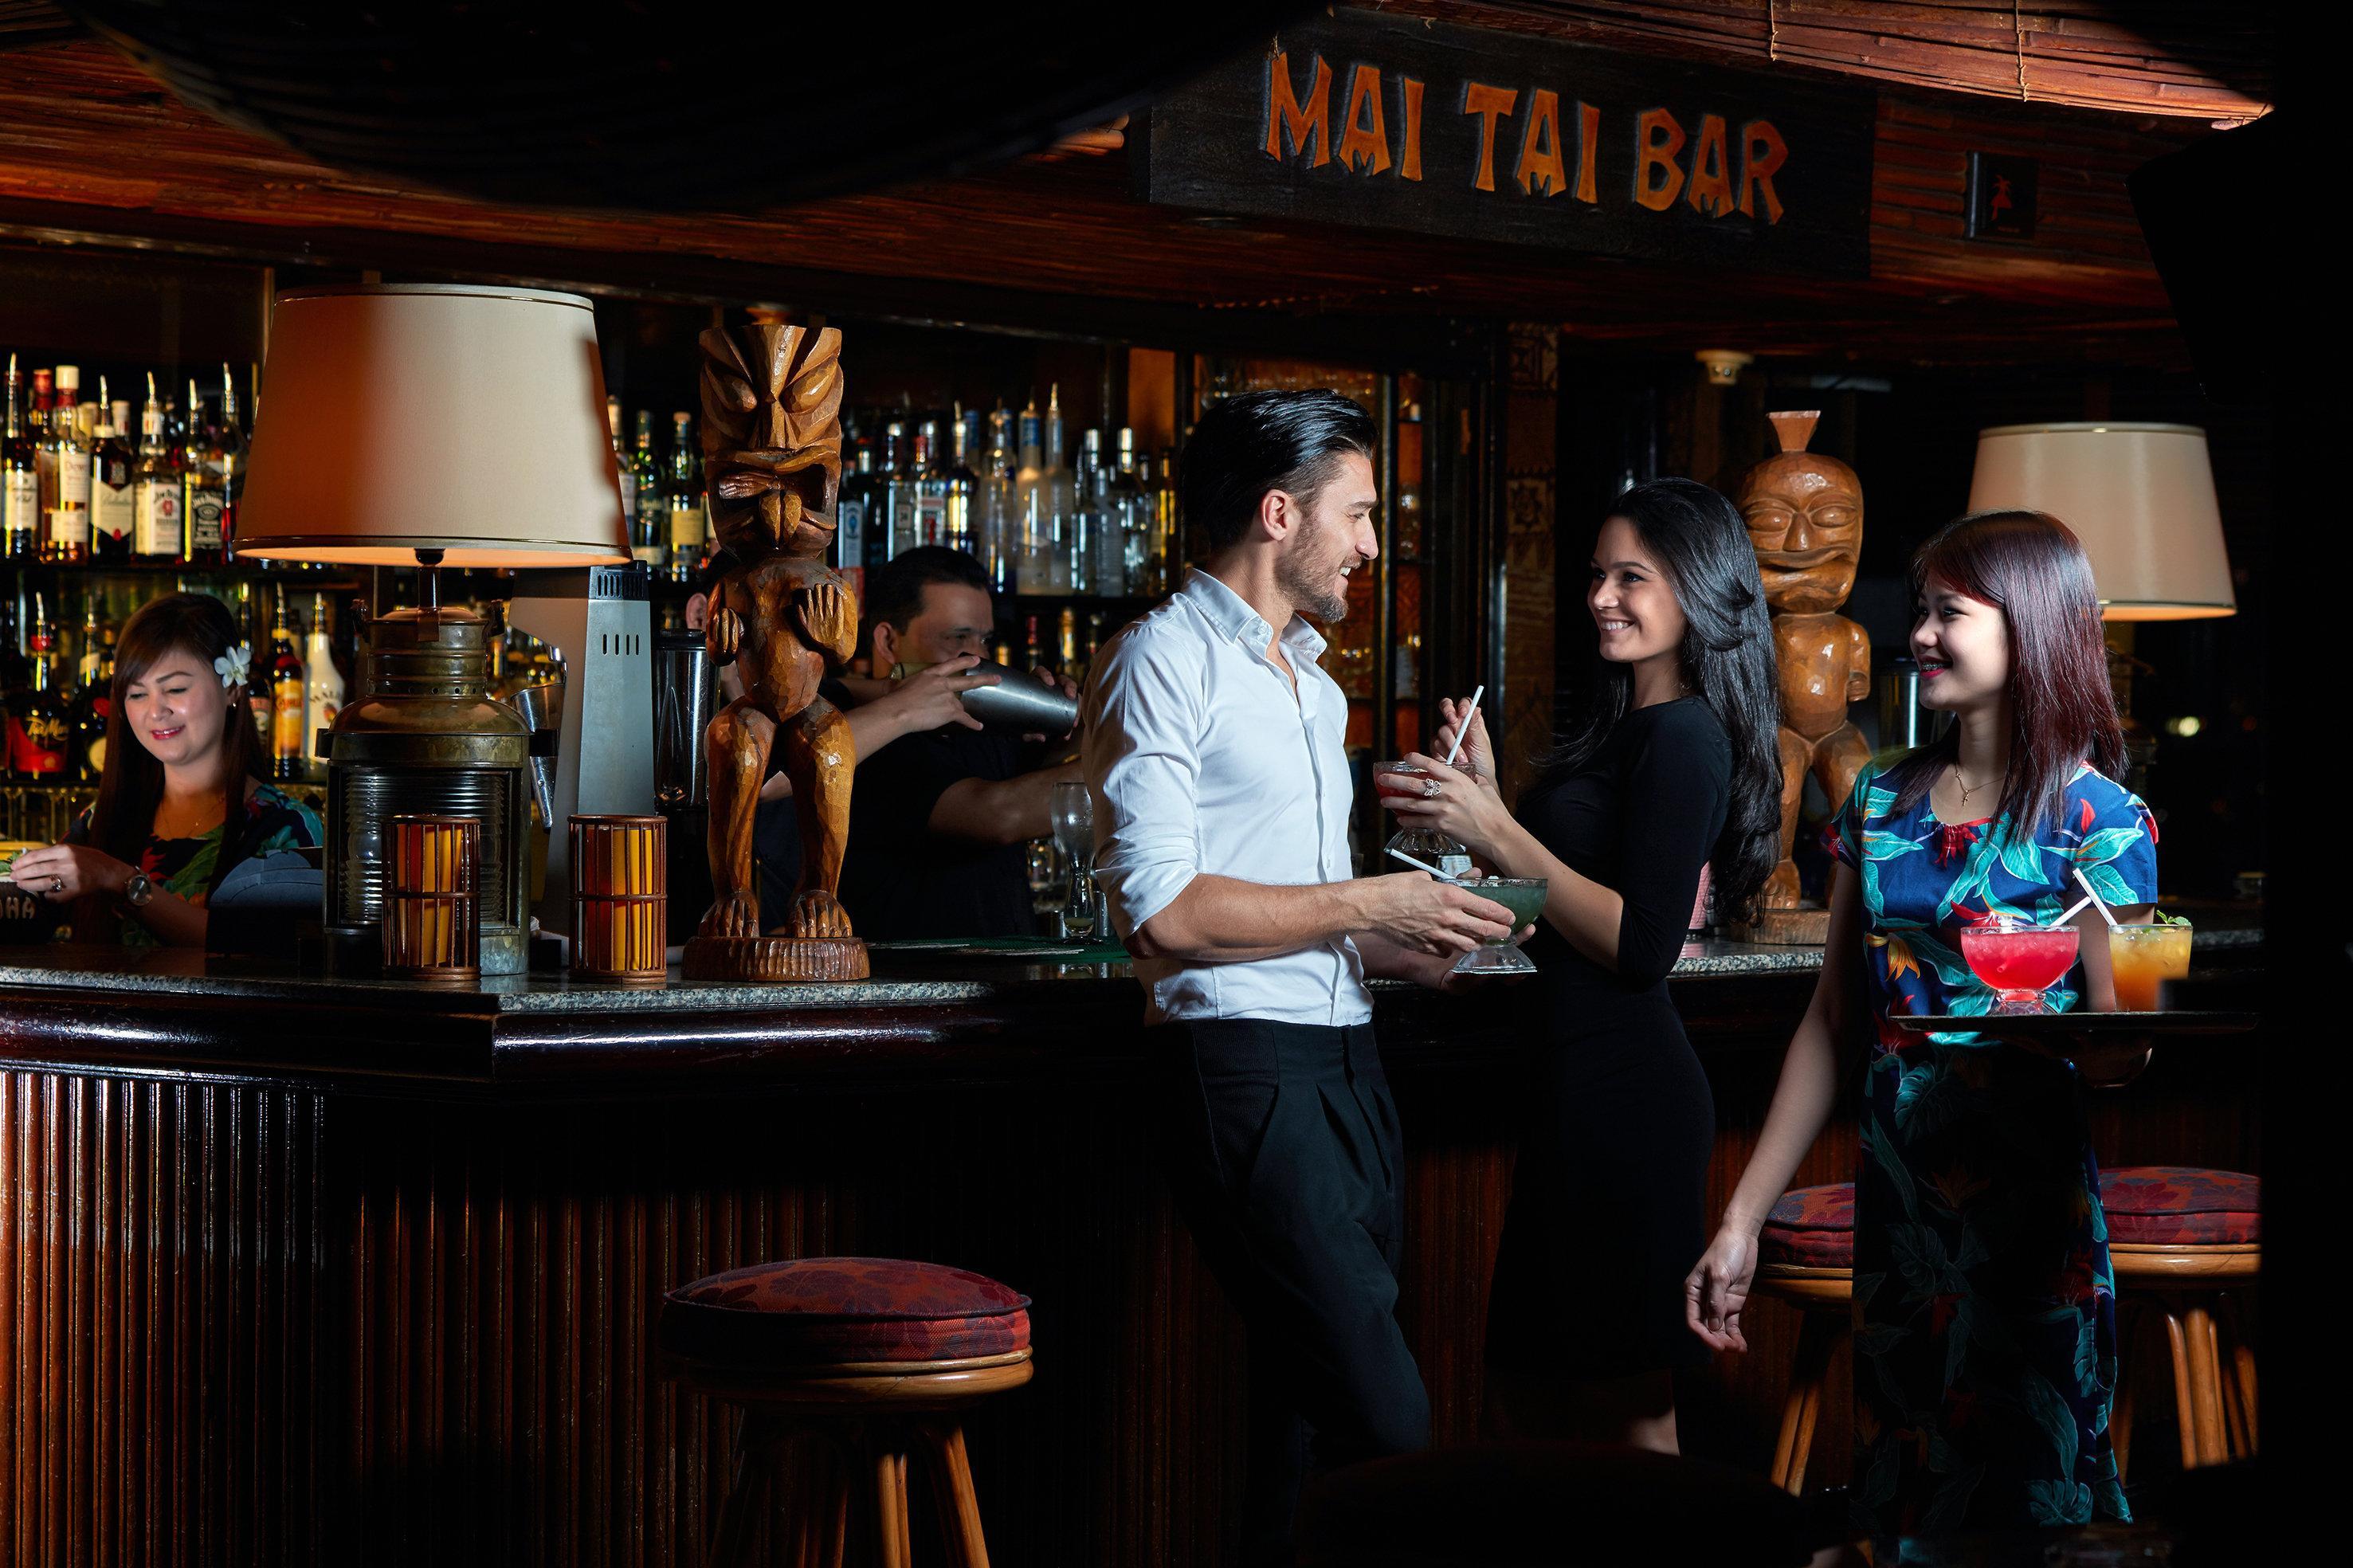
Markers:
1985,1337
184,797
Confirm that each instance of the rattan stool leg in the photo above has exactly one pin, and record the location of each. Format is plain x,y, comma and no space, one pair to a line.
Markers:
2130,1319
739,1511
820,1503
2241,1371
2179,1343
952,1489
2206,1383
885,1457
1816,1334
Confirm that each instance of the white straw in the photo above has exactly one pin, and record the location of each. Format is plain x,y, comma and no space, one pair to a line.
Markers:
2077,908
1462,724
1423,864
2093,899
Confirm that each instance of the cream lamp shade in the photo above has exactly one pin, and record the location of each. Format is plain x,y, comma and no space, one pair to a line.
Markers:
400,418
2140,497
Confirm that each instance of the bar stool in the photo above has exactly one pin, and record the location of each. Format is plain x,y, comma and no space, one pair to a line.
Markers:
2183,1240
1805,1255
847,1366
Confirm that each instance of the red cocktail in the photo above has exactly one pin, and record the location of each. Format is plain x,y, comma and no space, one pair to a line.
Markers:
2018,961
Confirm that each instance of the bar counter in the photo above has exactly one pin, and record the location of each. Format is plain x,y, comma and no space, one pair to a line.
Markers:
298,1268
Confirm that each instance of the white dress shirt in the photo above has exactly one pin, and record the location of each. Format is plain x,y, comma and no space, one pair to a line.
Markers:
1202,758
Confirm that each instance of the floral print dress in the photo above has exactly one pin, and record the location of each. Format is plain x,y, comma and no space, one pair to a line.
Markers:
273,820
1984,1305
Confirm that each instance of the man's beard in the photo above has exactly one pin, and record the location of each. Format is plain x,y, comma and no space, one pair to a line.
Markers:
1306,583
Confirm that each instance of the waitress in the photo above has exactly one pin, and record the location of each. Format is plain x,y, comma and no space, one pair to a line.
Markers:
183,800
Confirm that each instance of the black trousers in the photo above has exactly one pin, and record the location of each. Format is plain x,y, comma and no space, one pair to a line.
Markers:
1282,1147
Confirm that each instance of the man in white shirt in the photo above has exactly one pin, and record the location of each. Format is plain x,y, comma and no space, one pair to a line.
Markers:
1214,748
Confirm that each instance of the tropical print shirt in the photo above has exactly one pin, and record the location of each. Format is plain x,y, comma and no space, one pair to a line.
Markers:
1985,1306
273,820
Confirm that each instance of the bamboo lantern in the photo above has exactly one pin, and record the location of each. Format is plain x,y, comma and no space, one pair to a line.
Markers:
433,907
620,899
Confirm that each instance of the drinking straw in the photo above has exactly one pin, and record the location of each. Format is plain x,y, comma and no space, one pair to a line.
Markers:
1463,727
2076,907
1423,864
2095,900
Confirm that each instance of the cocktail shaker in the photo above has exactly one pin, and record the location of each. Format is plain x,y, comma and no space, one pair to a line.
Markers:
1019,701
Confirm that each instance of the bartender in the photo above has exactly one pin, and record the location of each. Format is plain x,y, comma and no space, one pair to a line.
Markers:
939,820
185,820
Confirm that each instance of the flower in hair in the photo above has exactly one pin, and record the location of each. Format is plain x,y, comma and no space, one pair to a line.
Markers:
233,664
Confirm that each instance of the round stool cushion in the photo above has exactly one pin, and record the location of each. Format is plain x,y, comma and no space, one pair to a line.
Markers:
815,1311
1534,1503
2181,1205
1810,1228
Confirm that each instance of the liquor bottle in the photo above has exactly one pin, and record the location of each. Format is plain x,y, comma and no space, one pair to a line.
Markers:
39,729
900,472
20,480
65,531
261,685
931,477
1061,493
36,429
113,487
852,507
687,529
1130,508
1088,522
627,477
204,496
960,490
1032,655
1167,530
229,438
93,698
157,530
1093,644
322,689
1067,661
993,501
15,680
646,535
1041,505
289,703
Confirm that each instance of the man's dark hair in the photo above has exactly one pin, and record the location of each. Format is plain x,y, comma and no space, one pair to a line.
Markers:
1261,441
894,590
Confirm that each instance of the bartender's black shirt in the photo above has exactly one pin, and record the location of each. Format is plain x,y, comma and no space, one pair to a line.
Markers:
900,879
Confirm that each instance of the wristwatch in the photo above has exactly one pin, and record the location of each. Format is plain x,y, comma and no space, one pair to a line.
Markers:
138,890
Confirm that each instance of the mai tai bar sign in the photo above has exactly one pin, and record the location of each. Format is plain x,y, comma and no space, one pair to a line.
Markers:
1390,123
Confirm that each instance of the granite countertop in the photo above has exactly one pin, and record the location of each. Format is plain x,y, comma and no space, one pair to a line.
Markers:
904,977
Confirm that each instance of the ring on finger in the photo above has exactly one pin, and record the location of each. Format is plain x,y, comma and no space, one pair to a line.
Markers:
57,884
1429,788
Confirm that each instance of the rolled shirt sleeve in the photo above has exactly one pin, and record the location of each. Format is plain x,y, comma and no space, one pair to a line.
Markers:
1143,764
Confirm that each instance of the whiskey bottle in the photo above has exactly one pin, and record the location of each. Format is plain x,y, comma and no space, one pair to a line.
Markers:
36,429
960,490
230,441
20,480
157,526
853,508
64,533
113,486
290,705
322,689
900,472
622,471
687,527
39,728
1129,551
931,486
204,500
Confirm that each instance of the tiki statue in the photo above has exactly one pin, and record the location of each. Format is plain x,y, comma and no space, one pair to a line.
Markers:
1805,517
772,458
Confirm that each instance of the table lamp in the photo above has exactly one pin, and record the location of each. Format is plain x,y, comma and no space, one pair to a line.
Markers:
2140,497
439,425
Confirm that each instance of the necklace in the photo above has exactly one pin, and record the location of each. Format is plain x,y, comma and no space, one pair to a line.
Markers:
1961,785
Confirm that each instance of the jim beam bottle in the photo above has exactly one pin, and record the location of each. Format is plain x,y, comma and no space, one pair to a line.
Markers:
205,486
157,531
20,478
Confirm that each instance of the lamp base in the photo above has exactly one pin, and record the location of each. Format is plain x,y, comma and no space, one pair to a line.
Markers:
775,957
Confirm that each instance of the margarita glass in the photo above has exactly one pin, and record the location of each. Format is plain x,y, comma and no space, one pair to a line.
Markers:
2019,961
2142,958
1424,844
1524,897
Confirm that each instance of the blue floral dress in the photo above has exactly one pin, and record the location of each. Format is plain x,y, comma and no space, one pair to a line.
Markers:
1984,1305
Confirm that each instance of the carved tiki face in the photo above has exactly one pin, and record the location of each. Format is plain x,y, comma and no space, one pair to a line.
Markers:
1804,513
772,436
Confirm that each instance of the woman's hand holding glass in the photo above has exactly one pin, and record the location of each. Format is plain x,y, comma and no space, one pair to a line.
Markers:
1463,801
64,872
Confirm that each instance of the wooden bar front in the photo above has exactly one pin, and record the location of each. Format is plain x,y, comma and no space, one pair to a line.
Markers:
301,1271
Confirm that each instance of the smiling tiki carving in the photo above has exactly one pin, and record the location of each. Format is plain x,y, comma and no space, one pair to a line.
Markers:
1804,513
772,457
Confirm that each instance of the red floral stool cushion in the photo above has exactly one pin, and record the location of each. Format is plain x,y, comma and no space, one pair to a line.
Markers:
817,1311
1810,1228
2181,1205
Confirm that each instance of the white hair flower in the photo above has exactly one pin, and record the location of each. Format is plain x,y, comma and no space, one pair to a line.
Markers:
233,664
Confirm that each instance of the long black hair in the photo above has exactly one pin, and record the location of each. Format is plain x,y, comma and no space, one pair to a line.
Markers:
1700,541
2062,711
132,784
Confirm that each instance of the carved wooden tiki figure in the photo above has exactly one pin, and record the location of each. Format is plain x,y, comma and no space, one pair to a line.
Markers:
772,458
1804,513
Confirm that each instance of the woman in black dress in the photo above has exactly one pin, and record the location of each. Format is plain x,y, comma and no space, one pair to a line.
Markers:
1676,765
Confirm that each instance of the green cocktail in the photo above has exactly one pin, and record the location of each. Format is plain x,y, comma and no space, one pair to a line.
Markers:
1524,897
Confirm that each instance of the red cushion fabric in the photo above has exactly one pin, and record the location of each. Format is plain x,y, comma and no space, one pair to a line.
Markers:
1810,1228
2181,1205
812,1312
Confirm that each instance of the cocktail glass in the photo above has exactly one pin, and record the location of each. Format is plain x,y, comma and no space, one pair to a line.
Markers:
2142,959
1071,810
2018,961
1424,844
1524,897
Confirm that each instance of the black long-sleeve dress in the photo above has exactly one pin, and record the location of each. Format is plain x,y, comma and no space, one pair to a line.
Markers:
1607,1213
